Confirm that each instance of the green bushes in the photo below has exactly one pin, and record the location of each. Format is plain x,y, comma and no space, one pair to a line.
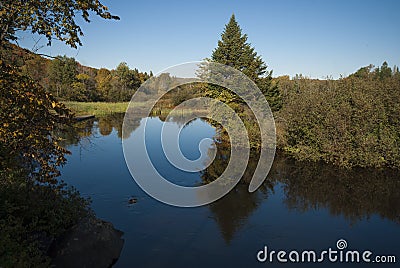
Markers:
31,215
349,122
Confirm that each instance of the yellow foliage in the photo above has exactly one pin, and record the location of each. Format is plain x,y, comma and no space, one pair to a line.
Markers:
29,118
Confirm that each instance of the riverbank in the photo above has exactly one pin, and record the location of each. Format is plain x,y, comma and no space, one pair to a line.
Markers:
348,131
42,225
106,108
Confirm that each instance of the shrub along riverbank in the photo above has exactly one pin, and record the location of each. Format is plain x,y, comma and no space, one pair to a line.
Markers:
32,216
353,121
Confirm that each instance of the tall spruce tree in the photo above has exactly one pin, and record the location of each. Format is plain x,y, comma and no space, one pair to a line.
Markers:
234,50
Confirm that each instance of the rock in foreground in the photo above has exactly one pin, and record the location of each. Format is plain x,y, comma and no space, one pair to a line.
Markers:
90,243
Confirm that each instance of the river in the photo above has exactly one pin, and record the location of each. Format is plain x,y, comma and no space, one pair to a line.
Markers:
300,205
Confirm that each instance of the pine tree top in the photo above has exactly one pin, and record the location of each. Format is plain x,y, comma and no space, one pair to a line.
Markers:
234,50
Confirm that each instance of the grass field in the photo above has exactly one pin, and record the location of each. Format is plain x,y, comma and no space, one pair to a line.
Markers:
96,108
105,108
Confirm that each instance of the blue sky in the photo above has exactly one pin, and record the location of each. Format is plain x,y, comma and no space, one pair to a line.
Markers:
315,38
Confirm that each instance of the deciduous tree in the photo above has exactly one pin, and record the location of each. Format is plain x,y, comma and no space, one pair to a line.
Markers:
28,114
62,74
52,19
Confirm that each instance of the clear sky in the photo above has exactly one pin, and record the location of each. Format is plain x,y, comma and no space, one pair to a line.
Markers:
315,38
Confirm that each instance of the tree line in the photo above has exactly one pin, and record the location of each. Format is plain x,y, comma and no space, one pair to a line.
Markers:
68,80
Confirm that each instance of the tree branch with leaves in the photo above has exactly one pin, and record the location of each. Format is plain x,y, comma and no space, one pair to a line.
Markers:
29,115
52,19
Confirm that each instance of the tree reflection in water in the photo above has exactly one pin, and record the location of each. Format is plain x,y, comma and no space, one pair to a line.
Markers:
231,211
354,194
103,125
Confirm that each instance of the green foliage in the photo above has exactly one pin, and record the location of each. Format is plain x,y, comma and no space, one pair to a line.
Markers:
178,94
30,214
271,92
48,18
120,84
123,83
68,80
67,83
384,72
349,122
62,74
234,51
363,72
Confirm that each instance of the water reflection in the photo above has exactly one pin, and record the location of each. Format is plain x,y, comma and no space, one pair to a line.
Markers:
103,125
232,211
355,194
300,205
74,135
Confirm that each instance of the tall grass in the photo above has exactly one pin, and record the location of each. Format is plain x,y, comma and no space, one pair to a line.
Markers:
96,108
105,108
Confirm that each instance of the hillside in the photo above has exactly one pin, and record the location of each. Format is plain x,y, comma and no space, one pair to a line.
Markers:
69,80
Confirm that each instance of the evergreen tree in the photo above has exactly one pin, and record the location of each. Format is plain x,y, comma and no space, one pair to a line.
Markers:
385,71
396,72
234,50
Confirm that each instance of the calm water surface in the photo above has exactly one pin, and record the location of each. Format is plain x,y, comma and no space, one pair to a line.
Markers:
300,206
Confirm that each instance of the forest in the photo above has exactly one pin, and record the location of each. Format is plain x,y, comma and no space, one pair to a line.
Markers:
68,80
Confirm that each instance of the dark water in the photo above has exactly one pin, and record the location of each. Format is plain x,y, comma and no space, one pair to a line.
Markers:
300,206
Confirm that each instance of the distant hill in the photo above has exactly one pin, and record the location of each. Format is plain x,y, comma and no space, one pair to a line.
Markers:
67,79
